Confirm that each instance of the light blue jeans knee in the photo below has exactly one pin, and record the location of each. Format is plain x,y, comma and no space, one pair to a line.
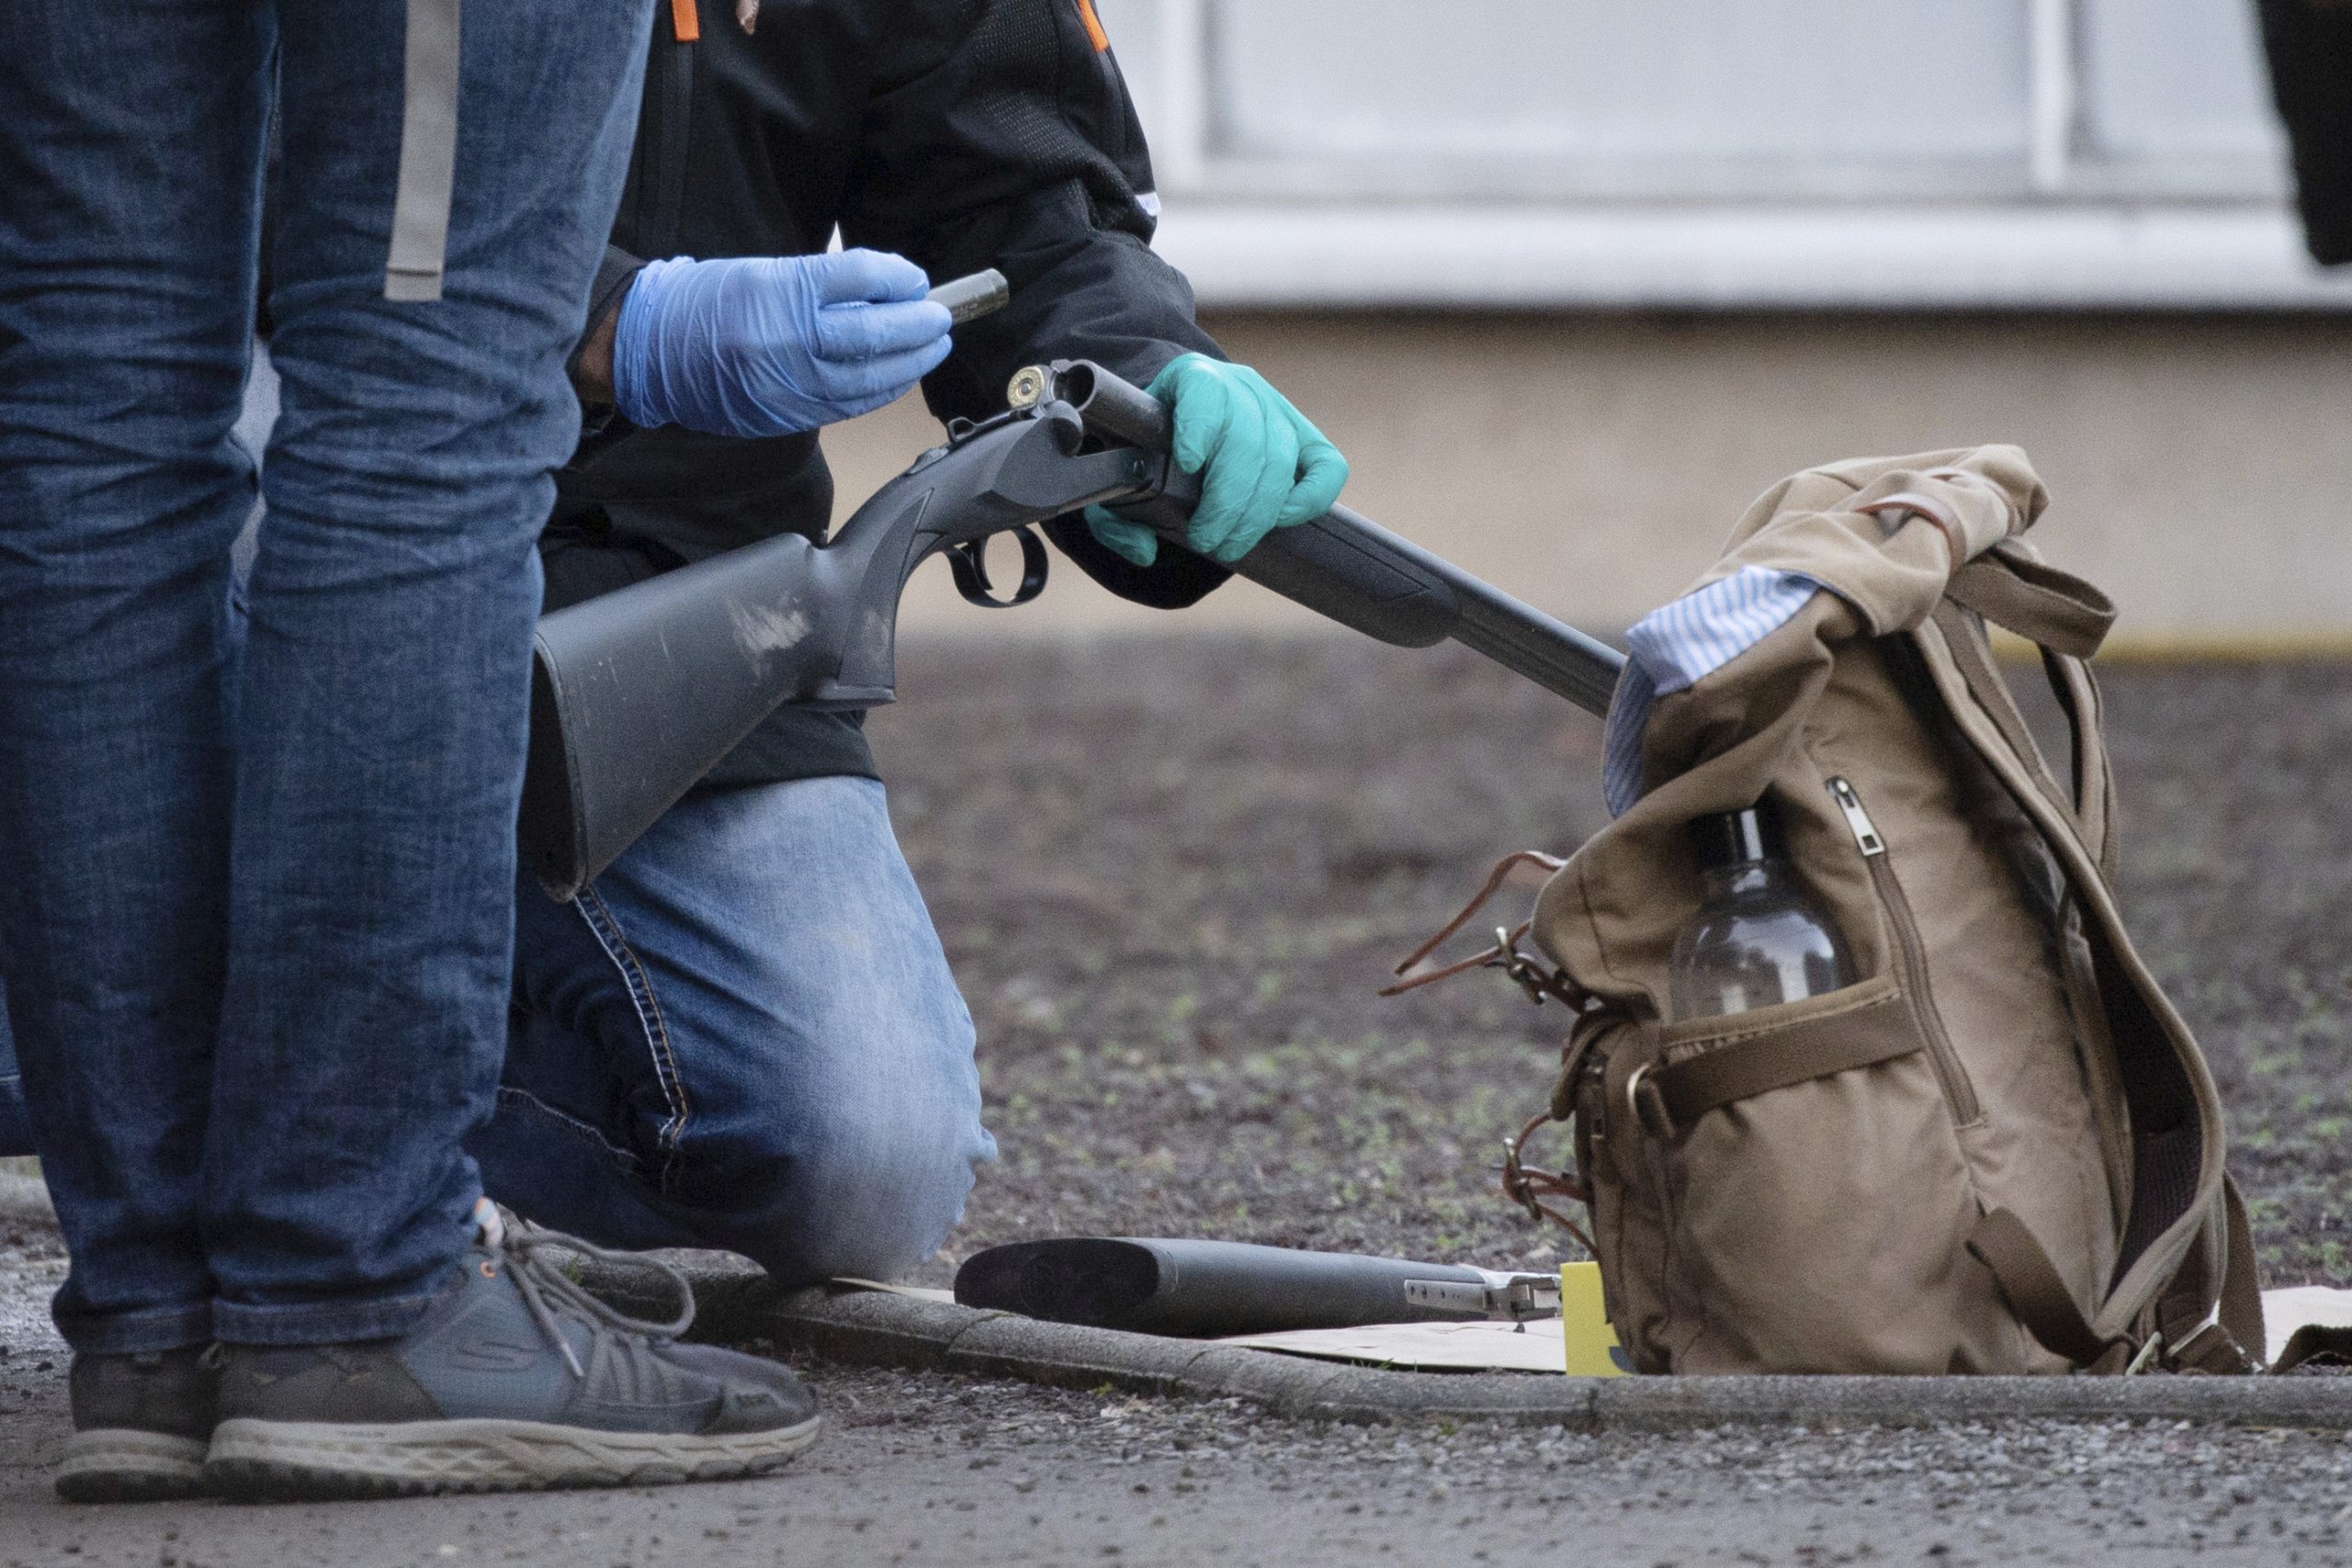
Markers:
743,1035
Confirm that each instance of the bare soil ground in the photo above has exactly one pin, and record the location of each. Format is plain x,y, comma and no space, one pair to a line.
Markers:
1174,874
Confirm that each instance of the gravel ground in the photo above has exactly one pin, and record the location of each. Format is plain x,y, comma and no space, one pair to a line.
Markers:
1172,877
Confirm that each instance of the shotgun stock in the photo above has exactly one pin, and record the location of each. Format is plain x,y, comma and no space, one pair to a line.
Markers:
639,693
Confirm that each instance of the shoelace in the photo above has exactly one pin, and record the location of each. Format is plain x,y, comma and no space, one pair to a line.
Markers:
550,1293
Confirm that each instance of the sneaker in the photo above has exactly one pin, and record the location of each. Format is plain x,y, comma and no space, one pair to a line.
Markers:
515,1378
140,1426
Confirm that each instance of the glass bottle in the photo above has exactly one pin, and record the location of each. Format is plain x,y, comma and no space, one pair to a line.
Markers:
1757,938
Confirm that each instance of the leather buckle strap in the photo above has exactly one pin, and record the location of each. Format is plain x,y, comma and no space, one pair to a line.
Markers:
1528,1185
1533,977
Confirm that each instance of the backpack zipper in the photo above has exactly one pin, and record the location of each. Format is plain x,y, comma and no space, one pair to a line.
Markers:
1912,953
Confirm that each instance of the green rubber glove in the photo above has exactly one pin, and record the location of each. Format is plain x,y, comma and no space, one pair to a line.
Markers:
1262,466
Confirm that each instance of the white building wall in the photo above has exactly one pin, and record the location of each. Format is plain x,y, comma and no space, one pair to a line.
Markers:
1719,153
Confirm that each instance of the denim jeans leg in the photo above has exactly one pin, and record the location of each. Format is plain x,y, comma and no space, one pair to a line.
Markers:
385,674
744,1035
131,155
15,1127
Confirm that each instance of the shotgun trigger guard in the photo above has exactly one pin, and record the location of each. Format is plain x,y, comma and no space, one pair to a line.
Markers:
968,561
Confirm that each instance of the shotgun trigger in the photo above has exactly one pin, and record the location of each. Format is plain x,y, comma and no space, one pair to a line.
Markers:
968,561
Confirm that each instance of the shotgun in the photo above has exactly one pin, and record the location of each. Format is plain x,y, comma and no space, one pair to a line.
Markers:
1210,1289
637,695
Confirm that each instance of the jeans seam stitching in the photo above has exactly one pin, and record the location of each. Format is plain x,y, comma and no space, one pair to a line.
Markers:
608,932
587,1132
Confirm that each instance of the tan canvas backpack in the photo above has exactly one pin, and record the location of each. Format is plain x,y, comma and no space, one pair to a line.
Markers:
1999,1149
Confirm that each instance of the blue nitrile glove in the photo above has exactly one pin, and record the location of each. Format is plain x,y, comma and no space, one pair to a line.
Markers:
1262,467
766,346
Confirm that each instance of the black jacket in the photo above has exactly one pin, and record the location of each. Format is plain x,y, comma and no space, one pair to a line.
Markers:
2310,46
961,134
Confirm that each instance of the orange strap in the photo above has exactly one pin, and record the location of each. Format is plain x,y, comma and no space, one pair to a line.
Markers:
1094,33
685,22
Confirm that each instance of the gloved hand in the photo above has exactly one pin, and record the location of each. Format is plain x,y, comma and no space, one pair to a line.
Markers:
766,346
1262,466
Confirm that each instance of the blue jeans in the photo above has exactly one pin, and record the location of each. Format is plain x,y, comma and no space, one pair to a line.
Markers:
257,929
743,1036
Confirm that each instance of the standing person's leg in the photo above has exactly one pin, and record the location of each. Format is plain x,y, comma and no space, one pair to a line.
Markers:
131,149
383,1333
385,671
743,1035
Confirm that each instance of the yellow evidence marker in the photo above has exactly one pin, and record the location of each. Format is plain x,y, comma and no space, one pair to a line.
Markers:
1590,1343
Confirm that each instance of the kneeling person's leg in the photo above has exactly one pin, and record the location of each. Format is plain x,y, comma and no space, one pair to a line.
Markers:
746,1021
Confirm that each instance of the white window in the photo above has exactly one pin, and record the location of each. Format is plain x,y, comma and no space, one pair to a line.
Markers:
1719,151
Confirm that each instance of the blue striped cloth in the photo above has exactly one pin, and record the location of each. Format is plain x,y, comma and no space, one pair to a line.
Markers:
1672,648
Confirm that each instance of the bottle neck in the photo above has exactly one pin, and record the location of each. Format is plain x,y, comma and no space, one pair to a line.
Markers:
1741,876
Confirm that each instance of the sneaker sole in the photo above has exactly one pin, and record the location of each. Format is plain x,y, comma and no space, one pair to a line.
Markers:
269,1461
125,1465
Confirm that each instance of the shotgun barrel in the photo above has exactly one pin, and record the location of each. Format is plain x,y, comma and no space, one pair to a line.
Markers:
1349,569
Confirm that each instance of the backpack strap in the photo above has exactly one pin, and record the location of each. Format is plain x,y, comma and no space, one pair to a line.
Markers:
2051,608
2189,1336
2175,1297
2077,691
2066,619
1971,658
1735,1067
2034,1289
2241,1311
2210,1329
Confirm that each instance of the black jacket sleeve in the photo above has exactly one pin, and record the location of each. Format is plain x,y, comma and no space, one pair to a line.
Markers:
998,135
614,275
2310,45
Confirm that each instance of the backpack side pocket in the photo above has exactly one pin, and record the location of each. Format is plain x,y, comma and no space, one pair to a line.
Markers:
1819,1200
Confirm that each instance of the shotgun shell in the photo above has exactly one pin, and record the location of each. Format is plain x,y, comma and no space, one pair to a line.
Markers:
975,295
1027,388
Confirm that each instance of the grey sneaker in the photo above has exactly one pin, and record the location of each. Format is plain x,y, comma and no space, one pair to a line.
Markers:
515,1378
140,1425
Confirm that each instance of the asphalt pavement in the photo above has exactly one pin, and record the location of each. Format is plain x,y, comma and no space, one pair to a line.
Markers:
920,1468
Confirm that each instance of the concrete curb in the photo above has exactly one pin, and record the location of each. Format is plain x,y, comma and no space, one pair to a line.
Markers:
872,1329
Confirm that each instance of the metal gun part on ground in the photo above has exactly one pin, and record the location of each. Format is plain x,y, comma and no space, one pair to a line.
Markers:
638,695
